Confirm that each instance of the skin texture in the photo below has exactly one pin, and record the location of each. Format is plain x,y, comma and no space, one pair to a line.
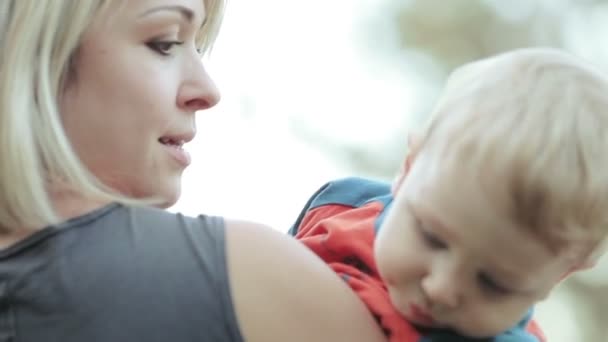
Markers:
449,252
133,86
293,296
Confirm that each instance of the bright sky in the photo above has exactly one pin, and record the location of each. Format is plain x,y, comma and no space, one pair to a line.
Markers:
301,67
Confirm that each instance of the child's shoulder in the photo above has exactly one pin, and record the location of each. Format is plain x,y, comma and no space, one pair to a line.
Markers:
350,191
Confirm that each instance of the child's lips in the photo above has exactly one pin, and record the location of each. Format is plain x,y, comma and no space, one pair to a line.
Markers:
421,316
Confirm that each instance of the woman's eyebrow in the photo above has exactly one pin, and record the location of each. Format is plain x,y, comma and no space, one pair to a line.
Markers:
185,12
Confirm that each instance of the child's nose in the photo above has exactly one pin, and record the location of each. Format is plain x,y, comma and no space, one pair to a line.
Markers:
442,290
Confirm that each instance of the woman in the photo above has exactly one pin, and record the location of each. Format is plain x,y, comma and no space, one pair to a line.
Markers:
97,99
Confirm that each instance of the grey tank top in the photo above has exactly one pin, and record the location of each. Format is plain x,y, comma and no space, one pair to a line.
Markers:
119,274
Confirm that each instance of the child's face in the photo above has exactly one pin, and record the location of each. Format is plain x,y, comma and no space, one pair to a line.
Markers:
450,259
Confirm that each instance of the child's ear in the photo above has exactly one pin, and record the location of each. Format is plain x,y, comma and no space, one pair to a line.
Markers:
413,143
583,266
593,258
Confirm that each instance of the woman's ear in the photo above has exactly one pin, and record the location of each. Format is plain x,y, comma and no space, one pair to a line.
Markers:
413,147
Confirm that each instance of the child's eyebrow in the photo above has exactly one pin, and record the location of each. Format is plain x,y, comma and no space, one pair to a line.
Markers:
425,215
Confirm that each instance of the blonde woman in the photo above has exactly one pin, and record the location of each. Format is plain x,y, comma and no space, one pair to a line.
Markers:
97,98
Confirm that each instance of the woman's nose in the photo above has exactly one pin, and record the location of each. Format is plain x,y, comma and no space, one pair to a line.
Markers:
198,91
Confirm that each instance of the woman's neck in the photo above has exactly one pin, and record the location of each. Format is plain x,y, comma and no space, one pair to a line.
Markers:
68,204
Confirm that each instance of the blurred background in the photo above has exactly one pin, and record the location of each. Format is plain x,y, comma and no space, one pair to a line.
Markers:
314,90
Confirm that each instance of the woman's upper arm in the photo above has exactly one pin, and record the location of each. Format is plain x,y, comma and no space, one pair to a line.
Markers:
283,292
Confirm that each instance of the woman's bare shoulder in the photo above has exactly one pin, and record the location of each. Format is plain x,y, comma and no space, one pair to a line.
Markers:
283,292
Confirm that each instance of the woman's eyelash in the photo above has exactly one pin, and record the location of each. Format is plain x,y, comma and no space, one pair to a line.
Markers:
163,47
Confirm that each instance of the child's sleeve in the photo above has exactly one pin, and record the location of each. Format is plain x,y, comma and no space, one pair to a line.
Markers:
527,330
309,204
334,198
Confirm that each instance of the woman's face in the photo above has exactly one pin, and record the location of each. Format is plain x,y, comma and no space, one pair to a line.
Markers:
129,107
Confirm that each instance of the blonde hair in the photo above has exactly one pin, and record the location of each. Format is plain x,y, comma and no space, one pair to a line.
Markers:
39,40
532,127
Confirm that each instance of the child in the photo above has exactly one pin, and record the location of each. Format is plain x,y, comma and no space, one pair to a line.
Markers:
500,197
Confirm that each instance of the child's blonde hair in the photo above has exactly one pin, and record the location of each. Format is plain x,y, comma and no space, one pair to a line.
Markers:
532,126
39,40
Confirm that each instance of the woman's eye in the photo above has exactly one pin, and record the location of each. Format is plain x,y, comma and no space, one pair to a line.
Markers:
491,286
163,47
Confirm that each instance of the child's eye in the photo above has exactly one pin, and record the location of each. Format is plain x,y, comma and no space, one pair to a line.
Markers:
163,47
433,241
430,239
491,286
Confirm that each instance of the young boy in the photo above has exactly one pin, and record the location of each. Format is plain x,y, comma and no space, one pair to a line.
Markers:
500,197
